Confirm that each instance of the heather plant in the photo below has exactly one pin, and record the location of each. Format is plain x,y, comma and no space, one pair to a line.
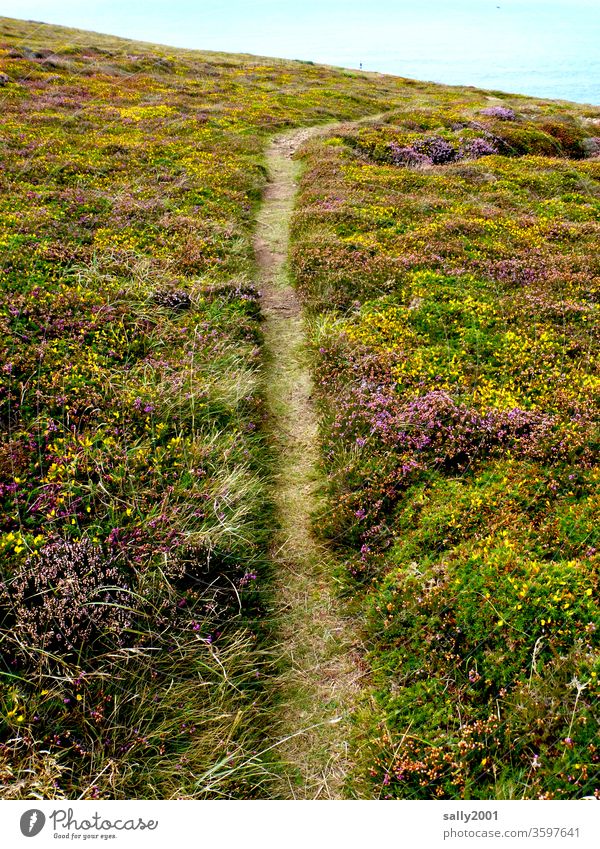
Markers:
502,113
437,149
407,155
69,595
591,146
175,299
478,147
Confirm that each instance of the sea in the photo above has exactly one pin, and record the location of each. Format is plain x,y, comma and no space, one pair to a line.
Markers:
544,48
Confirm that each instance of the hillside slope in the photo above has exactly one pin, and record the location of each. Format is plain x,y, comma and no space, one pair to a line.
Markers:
136,471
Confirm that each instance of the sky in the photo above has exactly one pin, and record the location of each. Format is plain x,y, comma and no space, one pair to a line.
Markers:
546,47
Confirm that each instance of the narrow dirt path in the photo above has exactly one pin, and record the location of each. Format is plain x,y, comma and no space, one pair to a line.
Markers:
321,662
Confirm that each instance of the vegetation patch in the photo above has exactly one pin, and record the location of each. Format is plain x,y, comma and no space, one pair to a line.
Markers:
447,258
134,495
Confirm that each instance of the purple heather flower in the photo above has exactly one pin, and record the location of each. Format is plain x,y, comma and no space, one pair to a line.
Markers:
479,147
503,113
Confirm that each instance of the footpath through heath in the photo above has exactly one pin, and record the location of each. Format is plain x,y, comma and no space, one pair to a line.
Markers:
318,643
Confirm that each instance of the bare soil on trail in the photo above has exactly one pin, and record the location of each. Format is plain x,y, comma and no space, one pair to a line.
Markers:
318,642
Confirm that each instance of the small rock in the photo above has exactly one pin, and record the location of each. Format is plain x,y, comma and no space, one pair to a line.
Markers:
28,53
4,79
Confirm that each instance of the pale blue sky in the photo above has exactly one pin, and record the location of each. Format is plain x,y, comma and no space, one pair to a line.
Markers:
547,47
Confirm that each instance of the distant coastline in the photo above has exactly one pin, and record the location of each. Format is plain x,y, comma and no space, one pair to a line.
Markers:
564,81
